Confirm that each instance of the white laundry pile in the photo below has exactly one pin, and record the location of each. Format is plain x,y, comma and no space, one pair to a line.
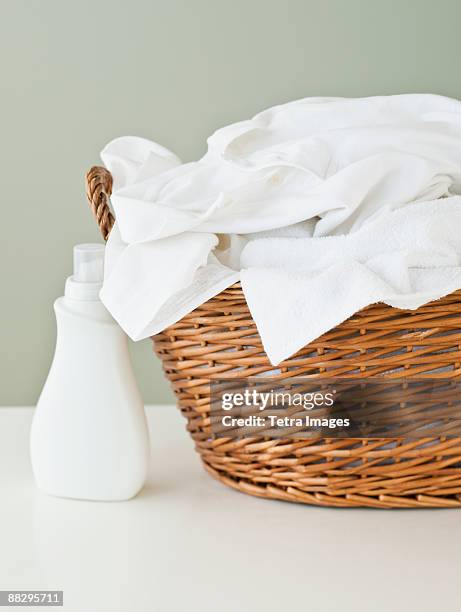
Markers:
320,207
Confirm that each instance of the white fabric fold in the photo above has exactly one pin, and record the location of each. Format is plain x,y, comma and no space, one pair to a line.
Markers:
319,169
299,289
143,277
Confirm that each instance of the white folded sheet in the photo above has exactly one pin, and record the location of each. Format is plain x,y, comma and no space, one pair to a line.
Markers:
319,167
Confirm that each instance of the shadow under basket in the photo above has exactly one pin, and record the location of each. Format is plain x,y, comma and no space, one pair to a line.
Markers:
219,340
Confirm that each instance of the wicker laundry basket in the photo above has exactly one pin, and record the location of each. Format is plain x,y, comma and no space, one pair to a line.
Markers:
377,341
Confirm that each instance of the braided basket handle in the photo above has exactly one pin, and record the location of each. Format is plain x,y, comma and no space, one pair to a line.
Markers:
98,190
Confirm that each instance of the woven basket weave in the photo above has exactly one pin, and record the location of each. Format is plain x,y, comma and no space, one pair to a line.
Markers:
220,340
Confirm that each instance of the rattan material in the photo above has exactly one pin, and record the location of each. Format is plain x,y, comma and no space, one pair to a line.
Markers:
220,340
98,190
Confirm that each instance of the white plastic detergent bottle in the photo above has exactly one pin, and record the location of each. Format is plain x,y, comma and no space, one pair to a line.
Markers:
89,437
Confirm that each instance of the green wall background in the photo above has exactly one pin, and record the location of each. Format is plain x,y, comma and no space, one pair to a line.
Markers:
76,74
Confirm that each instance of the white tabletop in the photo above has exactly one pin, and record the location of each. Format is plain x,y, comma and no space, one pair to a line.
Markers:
189,543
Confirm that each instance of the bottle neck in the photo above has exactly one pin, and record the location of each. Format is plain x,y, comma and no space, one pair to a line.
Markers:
85,292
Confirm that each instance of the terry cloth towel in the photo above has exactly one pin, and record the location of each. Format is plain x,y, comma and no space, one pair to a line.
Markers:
319,167
299,289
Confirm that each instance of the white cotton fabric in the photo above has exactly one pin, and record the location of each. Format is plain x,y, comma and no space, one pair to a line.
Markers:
267,194
404,258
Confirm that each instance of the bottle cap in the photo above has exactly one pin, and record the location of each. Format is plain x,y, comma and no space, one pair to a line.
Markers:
88,263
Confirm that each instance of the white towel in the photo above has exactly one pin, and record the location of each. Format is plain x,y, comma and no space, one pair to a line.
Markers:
316,167
150,285
299,289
